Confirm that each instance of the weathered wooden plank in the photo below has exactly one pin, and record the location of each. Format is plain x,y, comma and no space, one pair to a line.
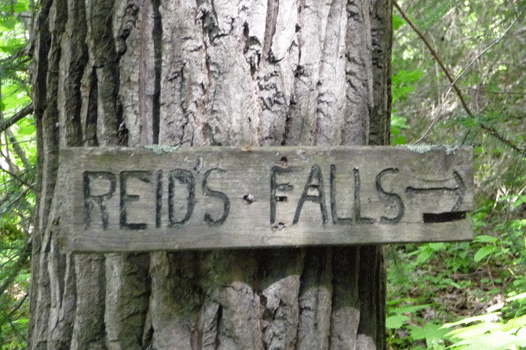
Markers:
144,199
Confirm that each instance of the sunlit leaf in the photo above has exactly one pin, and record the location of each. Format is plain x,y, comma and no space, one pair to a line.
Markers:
396,321
484,252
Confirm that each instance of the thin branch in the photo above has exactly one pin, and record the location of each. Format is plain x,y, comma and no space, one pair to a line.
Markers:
17,306
10,173
502,139
22,259
486,49
14,119
18,150
453,82
433,53
496,92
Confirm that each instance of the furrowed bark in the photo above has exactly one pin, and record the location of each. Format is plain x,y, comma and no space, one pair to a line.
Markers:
186,73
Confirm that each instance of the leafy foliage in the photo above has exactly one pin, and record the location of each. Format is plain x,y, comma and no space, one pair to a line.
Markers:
17,172
445,295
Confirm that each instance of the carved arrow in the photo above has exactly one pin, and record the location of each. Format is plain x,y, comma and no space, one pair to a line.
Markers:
459,190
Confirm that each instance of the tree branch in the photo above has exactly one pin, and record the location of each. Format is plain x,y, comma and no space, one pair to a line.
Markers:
16,177
453,82
434,54
14,119
24,255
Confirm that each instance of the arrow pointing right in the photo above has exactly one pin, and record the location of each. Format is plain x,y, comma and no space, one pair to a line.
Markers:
459,190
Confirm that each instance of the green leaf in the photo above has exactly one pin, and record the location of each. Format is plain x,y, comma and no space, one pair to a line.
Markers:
486,239
20,7
428,332
424,254
27,130
396,321
397,22
8,22
483,252
400,140
437,246
410,308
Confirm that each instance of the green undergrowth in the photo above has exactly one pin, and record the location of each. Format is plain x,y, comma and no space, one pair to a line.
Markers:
463,295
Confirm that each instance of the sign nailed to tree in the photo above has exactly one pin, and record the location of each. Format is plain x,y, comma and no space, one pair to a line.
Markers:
157,198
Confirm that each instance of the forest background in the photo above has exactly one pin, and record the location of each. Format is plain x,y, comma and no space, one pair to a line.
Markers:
459,77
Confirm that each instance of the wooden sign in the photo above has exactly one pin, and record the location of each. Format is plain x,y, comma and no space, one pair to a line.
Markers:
160,198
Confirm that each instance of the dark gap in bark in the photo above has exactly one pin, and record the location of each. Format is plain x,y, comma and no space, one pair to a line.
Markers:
381,296
60,258
102,282
122,131
262,256
369,290
345,266
147,338
129,19
137,276
157,47
91,119
74,100
43,41
218,325
289,119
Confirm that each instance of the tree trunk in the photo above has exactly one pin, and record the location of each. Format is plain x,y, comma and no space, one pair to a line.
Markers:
222,72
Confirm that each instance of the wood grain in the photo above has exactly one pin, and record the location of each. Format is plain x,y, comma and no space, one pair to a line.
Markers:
147,199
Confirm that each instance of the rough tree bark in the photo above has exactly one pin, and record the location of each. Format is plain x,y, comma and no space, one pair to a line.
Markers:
221,72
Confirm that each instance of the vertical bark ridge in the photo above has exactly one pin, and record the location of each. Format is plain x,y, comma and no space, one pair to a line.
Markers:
127,295
270,28
358,71
129,29
275,80
371,268
104,58
89,93
273,106
231,113
127,281
302,118
279,296
88,330
96,114
381,24
175,299
330,99
228,280
184,82
147,119
315,300
38,267
176,295
62,280
73,61
345,316
46,78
